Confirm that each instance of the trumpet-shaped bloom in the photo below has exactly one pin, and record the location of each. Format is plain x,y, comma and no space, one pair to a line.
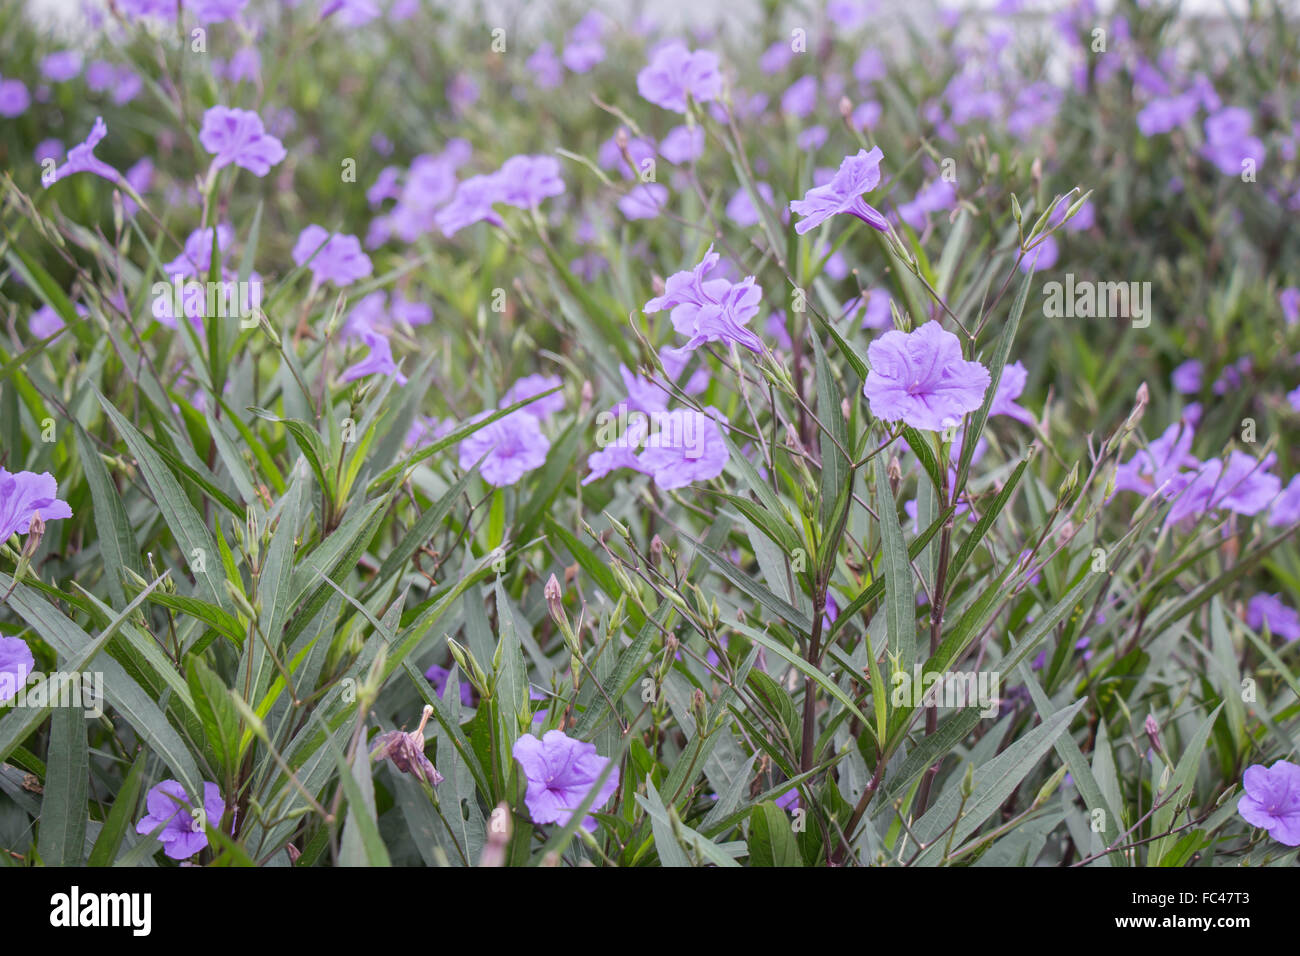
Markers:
331,258
238,137
526,180
920,378
378,362
710,310
560,773
183,832
16,663
1272,800
25,495
513,446
675,73
1280,617
685,447
82,159
858,174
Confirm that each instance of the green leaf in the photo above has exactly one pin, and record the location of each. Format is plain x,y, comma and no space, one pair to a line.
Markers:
771,839
67,781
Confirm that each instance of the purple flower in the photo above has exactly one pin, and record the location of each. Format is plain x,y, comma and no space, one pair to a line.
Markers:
1270,609
812,139
351,13
560,773
378,362
439,677
800,98
847,15
710,310
683,144
639,151
183,827
1243,487
1289,300
644,201
789,801
406,751
1229,145
740,208
545,67
139,177
1010,386
581,55
333,258
1187,377
531,385
61,66
1165,114
14,98
472,203
686,446
1043,254
1272,800
776,57
857,174
24,495
675,73
16,663
237,136
215,11
513,446
526,180
878,314
44,322
936,196
919,377
1160,463
1286,509
869,67
196,261
81,159
620,453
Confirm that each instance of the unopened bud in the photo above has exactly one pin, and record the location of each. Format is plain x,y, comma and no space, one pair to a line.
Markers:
35,531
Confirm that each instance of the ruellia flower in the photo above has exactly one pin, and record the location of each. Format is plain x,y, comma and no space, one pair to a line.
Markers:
1243,486
14,98
331,258
526,180
471,203
16,664
644,201
858,174
238,137
560,772
183,826
1160,463
510,447
82,159
378,362
1010,387
26,495
676,73
710,310
1280,617
1272,800
920,378
406,751
196,261
531,385
685,446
